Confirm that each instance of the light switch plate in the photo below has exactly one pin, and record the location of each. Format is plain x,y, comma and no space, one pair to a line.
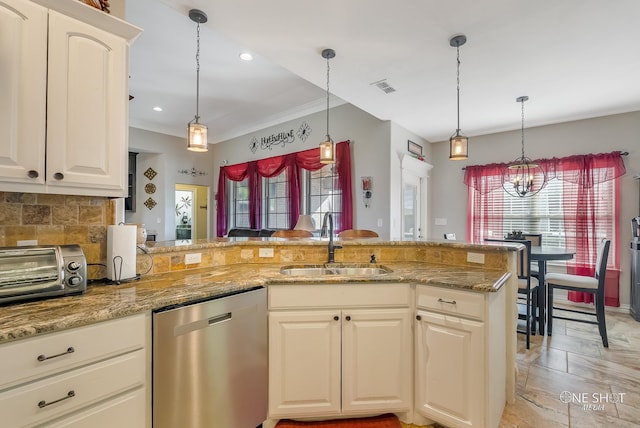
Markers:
192,258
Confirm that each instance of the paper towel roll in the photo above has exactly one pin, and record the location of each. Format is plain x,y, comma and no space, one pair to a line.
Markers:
121,252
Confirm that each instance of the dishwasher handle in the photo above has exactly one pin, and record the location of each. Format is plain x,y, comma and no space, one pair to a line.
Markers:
220,318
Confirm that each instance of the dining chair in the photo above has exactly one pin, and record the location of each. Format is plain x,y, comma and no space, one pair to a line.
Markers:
527,289
536,241
295,233
357,233
586,284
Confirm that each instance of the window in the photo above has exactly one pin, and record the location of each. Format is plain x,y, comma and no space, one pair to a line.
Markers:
239,205
322,195
576,209
276,201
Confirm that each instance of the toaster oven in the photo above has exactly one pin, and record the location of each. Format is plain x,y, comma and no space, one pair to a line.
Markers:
41,271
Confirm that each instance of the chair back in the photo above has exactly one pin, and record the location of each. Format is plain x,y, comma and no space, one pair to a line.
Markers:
295,233
535,238
601,260
357,233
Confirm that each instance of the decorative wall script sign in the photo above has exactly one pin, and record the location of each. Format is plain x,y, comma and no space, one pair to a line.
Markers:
279,139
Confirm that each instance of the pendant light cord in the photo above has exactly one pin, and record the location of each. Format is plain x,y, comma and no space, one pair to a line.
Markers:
198,73
328,70
458,84
522,132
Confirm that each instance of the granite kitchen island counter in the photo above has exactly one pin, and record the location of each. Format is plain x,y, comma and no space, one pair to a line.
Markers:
102,302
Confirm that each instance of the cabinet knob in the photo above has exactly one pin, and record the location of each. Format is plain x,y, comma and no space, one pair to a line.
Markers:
33,173
336,318
418,317
348,317
58,176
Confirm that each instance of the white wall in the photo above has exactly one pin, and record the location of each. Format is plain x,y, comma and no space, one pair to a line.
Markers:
167,155
370,151
598,135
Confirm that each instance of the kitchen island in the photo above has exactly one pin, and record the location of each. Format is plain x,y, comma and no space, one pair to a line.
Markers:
231,265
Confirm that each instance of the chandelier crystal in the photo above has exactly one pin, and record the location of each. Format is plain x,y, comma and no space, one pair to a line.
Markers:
523,177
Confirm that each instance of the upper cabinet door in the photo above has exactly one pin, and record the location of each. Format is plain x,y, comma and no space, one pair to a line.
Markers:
23,85
87,124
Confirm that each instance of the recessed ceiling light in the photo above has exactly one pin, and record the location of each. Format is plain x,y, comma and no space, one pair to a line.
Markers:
156,108
246,56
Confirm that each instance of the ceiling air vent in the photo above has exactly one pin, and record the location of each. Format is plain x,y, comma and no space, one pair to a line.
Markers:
384,86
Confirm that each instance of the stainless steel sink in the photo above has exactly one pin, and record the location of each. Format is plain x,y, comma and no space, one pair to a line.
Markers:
334,269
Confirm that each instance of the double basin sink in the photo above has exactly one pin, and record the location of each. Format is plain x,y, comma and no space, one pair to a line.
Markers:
335,269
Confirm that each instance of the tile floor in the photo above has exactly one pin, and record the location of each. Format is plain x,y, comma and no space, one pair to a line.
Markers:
573,360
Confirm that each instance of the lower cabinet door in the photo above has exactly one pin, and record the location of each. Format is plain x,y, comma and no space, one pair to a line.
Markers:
304,363
127,410
450,362
376,360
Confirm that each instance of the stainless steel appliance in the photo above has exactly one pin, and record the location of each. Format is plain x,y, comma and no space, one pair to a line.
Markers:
210,363
41,271
635,268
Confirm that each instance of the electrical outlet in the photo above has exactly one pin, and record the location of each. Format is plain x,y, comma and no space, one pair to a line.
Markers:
192,258
265,252
27,242
475,258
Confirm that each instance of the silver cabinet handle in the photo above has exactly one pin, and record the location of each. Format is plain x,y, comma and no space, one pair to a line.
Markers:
43,357
42,404
451,302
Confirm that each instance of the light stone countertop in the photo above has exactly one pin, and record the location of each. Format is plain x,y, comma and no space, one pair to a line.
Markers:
104,302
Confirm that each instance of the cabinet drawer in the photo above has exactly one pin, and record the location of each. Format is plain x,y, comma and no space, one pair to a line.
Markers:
462,303
63,393
339,296
28,359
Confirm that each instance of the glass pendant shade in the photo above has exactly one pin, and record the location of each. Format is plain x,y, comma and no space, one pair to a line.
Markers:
458,147
197,141
327,152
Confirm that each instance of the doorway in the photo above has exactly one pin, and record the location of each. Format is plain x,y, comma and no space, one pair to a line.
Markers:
414,198
191,217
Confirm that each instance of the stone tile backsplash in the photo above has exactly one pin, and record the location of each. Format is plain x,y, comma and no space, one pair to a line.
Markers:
57,220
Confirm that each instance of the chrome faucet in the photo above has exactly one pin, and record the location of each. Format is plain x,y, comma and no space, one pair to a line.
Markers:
323,234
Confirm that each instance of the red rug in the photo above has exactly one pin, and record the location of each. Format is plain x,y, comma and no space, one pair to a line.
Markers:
383,421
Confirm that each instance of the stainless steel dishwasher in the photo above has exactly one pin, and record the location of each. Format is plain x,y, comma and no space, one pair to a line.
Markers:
210,363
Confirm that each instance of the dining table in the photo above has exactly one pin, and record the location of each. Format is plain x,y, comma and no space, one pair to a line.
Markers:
543,254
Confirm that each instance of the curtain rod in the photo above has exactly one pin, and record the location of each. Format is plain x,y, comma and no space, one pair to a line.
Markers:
621,154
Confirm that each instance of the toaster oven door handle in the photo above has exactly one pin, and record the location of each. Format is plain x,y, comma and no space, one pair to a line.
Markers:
30,289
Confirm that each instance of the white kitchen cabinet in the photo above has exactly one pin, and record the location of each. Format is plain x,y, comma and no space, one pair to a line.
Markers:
64,118
460,358
89,376
339,350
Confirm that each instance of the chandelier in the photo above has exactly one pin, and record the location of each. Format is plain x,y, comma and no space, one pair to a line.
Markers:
523,177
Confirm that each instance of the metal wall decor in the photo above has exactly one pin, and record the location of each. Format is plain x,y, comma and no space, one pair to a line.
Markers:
193,172
150,203
150,173
150,188
304,131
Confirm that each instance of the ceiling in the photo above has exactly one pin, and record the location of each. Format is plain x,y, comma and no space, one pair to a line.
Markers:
575,59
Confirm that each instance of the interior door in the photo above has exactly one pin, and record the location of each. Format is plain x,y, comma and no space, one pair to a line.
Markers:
411,207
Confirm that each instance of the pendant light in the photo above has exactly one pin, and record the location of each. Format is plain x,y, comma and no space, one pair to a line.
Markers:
523,177
458,143
327,148
197,132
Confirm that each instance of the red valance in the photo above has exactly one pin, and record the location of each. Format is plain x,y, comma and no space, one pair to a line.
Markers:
274,166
